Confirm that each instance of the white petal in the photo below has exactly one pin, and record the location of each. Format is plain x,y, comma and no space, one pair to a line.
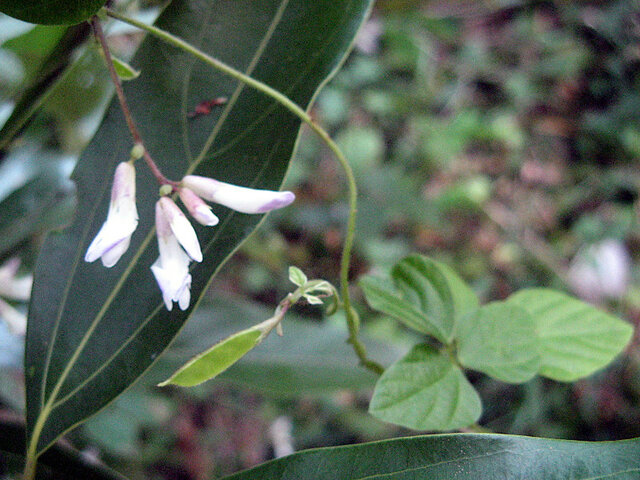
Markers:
181,228
185,297
186,235
164,282
241,199
111,256
171,269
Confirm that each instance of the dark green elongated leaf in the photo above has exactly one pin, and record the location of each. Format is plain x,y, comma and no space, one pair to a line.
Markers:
212,362
437,291
51,12
92,331
459,457
575,338
59,463
425,391
500,340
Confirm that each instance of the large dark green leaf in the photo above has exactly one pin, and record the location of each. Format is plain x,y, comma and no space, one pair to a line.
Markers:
458,457
92,331
59,463
51,12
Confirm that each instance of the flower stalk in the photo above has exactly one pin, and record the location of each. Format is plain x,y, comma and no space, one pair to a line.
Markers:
135,133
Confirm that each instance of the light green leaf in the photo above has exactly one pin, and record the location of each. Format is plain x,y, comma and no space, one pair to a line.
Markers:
458,457
381,295
92,331
425,391
312,358
500,340
297,276
575,338
212,362
313,300
124,70
430,297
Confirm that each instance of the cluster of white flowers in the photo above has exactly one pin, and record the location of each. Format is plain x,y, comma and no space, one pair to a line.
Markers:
177,241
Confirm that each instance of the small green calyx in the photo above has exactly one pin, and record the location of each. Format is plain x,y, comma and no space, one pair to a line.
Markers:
137,151
165,189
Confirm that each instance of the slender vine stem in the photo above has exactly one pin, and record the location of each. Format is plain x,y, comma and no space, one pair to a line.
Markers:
135,133
351,315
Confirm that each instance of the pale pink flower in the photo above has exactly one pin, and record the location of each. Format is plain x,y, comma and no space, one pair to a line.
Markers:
241,199
171,269
113,238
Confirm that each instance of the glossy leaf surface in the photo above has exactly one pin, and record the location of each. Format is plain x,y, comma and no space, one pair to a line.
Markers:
575,338
51,12
425,391
500,340
459,457
92,331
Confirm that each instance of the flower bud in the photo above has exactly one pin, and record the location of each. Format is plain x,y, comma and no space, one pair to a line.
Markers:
241,199
113,238
197,208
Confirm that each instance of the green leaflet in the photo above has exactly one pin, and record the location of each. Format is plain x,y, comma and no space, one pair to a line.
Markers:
428,296
425,391
212,362
500,340
575,338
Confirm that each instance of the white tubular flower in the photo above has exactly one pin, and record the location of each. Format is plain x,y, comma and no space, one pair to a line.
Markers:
241,199
197,208
180,226
171,269
113,238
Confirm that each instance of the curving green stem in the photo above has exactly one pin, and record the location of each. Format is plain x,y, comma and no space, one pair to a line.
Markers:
352,317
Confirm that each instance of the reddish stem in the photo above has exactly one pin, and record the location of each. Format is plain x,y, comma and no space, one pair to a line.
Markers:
137,138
